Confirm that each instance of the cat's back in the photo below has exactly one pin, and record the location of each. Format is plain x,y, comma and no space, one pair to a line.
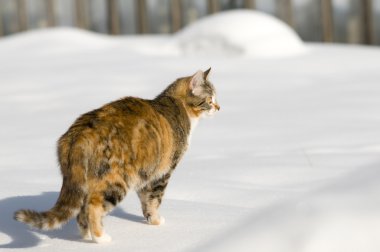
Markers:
130,129
124,115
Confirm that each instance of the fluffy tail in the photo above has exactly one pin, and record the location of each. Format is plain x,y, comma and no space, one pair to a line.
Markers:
67,206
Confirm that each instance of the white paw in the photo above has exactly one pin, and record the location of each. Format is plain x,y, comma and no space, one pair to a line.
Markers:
158,220
104,238
86,236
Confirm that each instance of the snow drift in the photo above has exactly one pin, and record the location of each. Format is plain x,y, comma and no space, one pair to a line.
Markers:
57,40
240,32
232,33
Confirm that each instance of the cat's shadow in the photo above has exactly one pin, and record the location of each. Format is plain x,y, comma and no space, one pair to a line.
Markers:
21,236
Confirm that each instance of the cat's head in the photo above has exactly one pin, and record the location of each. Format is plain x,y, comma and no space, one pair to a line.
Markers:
201,95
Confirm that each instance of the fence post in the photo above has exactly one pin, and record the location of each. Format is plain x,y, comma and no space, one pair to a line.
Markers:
22,15
113,17
327,21
142,16
368,25
212,6
250,4
81,19
50,12
1,24
285,11
176,14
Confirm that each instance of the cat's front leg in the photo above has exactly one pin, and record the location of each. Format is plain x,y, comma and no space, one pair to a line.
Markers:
151,198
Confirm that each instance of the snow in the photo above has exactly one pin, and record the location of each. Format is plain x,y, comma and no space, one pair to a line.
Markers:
290,163
240,32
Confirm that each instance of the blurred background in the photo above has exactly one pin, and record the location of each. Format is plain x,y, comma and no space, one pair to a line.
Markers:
341,21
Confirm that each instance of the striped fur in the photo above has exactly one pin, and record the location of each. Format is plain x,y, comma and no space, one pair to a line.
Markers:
129,144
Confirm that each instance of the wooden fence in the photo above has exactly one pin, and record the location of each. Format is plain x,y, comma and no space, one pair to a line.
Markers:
284,9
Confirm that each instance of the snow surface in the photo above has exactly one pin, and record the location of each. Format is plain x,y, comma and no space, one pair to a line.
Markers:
290,163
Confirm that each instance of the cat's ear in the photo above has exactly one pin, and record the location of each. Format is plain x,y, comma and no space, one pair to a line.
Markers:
206,73
196,81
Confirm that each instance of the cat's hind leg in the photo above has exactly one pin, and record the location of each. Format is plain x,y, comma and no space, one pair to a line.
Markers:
82,221
151,198
102,202
95,216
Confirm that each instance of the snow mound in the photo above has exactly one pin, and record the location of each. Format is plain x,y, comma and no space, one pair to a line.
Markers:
56,40
230,33
240,32
73,40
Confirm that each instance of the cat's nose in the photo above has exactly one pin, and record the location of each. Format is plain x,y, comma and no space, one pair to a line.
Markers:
217,107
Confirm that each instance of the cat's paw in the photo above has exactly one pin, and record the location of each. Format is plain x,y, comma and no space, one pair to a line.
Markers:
104,238
157,220
86,235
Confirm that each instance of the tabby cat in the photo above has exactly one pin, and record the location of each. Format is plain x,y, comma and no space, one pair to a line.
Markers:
127,144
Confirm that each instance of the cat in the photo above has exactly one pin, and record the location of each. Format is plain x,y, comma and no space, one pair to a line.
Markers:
128,144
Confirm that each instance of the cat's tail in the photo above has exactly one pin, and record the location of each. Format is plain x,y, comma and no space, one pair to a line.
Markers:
67,206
